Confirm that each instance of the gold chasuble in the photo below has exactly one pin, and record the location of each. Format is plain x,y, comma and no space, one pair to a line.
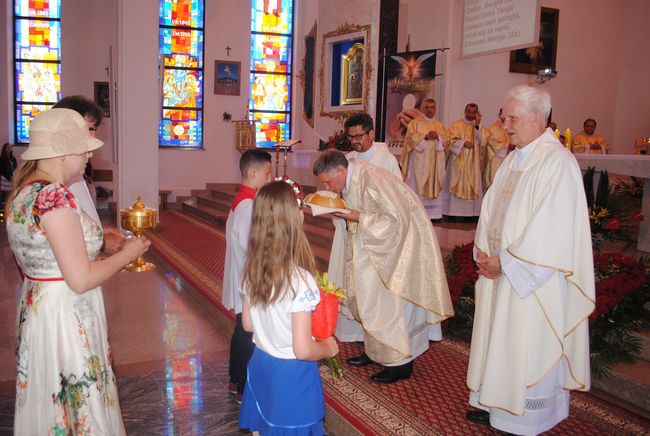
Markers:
467,165
536,210
589,144
495,141
392,258
428,165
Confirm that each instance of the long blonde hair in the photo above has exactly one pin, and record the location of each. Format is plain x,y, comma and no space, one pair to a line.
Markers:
20,176
277,245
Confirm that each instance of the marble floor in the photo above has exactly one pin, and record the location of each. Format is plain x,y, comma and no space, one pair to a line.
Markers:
170,355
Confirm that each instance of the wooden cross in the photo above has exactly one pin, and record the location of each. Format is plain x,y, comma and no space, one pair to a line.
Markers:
228,49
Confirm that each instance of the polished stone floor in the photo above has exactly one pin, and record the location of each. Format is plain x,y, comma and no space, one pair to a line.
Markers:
170,356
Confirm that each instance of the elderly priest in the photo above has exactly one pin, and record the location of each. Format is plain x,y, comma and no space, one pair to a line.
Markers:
530,342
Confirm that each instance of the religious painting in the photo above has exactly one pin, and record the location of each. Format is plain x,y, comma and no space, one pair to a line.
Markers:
227,79
352,75
306,76
543,55
103,97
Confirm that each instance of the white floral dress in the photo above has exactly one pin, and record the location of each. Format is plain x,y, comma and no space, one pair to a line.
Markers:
65,383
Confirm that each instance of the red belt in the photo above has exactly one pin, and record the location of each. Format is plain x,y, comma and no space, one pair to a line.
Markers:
44,279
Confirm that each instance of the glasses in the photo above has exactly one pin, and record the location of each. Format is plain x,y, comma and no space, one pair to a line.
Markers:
356,137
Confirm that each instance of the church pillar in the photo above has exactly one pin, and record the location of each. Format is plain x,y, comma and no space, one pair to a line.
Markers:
135,67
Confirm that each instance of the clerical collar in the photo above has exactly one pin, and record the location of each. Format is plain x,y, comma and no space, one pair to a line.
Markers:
346,188
523,152
430,119
367,155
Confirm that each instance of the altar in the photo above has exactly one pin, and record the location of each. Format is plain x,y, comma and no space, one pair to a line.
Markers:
626,165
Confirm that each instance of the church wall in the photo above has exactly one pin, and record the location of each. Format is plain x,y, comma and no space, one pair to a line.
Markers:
88,29
594,73
227,24
632,111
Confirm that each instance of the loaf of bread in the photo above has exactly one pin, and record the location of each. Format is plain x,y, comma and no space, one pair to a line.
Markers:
326,199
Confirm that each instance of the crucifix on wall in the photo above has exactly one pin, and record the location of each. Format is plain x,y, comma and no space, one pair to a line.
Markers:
228,49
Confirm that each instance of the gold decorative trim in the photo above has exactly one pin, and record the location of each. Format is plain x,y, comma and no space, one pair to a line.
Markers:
346,75
345,29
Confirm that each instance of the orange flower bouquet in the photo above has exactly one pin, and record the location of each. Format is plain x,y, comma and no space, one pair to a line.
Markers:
323,319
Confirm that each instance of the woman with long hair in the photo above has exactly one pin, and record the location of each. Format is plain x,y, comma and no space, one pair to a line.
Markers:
283,393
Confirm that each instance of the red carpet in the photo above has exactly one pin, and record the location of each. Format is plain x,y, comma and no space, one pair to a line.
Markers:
196,250
433,401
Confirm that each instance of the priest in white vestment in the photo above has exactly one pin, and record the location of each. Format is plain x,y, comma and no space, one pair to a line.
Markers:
530,342
423,158
394,270
360,130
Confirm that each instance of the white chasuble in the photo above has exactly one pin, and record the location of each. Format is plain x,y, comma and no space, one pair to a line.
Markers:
394,270
536,213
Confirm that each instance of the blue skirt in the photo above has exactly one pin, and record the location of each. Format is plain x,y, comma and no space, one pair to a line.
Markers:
282,397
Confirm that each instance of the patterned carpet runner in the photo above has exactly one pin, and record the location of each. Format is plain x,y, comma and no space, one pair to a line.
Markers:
433,401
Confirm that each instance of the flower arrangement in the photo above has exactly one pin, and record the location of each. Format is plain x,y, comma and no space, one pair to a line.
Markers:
606,216
622,293
295,186
338,140
323,320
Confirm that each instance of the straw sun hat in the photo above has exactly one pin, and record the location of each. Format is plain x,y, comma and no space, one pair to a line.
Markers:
59,132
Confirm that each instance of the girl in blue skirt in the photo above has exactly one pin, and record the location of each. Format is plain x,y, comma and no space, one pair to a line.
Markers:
283,394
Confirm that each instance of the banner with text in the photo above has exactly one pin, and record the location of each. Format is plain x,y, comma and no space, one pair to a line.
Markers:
499,25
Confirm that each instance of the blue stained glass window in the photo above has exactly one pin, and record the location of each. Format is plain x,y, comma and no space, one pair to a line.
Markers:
37,61
271,70
181,34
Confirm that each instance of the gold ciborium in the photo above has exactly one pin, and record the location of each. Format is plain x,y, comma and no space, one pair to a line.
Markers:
138,219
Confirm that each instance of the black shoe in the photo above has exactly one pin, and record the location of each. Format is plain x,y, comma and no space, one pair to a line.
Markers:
436,220
392,374
362,360
478,417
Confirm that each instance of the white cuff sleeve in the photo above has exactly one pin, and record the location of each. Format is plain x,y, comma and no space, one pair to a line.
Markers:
457,146
421,146
502,153
525,278
438,144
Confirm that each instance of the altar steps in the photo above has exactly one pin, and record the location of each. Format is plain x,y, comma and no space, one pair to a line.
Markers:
630,382
213,206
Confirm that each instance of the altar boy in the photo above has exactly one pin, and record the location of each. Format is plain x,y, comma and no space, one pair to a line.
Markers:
255,167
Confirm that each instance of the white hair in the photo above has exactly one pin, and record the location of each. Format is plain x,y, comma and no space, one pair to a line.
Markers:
534,99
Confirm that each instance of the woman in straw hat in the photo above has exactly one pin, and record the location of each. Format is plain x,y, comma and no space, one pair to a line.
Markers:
65,383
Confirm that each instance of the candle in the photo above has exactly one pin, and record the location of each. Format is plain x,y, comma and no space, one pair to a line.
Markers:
557,133
567,138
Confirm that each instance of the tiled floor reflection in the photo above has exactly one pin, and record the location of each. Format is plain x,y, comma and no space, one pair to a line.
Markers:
170,357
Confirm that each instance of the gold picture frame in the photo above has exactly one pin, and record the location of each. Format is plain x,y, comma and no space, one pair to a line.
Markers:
352,75
345,32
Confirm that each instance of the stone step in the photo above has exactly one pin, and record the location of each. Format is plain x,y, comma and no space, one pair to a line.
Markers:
629,382
222,205
319,236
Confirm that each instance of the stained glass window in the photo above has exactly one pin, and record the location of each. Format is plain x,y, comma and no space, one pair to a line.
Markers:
181,32
271,66
37,61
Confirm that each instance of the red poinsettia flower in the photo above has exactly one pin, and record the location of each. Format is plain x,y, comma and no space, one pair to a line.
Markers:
612,224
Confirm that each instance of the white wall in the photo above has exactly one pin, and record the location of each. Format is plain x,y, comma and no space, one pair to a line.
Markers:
88,28
632,109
